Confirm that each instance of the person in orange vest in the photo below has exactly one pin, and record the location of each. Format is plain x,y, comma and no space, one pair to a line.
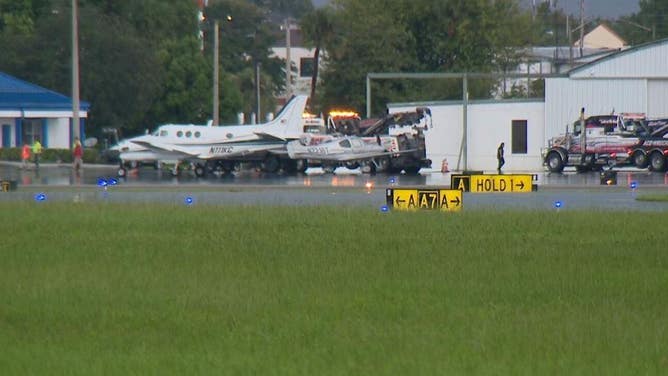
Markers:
77,154
25,155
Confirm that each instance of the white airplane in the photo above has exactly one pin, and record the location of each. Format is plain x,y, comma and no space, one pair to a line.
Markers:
372,153
226,147
132,155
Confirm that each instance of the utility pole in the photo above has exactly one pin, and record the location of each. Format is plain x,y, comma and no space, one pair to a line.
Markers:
257,91
216,99
582,26
288,62
76,131
570,41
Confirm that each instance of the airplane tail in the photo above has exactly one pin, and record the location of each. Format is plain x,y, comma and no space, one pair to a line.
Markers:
289,123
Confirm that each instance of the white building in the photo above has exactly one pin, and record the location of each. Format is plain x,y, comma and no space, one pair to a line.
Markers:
631,80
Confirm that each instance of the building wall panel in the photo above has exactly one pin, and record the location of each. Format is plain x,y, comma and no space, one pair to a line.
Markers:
489,124
642,62
657,98
565,97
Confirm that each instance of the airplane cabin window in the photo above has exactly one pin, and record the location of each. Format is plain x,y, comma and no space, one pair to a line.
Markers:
189,134
197,134
344,143
179,134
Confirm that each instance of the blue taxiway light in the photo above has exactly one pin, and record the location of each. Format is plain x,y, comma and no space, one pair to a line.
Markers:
633,185
384,209
188,200
558,204
102,182
112,181
393,180
40,197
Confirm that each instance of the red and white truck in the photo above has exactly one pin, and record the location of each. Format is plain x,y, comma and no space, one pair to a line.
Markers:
595,142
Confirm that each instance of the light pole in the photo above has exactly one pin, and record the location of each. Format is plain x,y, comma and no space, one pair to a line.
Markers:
216,73
216,99
287,25
75,71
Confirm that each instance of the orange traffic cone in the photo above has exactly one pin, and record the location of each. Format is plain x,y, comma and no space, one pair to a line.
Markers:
444,165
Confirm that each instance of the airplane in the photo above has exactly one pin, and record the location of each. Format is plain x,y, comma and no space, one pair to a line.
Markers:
131,155
372,153
225,148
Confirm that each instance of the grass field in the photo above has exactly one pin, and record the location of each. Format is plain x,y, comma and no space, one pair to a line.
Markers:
165,289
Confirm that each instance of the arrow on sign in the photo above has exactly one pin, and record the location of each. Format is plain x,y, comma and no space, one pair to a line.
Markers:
521,184
399,201
456,201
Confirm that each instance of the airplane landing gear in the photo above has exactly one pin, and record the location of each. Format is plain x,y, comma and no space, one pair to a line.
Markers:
121,172
199,170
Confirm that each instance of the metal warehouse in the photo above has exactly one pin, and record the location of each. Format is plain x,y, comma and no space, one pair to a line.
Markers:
631,80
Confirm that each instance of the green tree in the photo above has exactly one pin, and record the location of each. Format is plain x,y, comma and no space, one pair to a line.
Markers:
419,36
246,38
318,28
650,23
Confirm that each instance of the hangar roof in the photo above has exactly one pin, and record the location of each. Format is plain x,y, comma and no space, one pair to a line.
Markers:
646,60
21,95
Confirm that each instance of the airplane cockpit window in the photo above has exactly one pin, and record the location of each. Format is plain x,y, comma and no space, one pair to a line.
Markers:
345,143
163,133
179,134
357,143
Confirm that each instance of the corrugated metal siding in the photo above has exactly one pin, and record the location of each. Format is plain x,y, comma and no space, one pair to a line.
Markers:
564,98
643,62
657,98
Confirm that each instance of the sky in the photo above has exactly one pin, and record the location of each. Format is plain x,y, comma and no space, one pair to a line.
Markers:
593,8
609,9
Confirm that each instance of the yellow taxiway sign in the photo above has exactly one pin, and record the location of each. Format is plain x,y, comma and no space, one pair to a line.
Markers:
433,199
502,183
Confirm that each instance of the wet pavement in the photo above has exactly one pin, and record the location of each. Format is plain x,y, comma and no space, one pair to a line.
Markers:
345,187
63,175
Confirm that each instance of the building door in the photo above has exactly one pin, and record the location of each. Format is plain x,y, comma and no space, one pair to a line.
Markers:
6,136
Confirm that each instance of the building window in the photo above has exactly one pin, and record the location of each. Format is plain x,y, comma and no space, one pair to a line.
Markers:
306,67
32,129
519,137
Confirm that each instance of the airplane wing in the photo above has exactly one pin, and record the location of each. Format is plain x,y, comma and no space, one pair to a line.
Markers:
269,136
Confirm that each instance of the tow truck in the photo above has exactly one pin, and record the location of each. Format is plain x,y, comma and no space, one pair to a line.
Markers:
595,142
404,131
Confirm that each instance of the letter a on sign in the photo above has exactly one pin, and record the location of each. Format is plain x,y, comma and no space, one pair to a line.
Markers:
460,182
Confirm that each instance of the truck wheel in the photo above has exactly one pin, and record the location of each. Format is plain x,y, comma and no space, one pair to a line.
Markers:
554,162
657,162
640,159
122,172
